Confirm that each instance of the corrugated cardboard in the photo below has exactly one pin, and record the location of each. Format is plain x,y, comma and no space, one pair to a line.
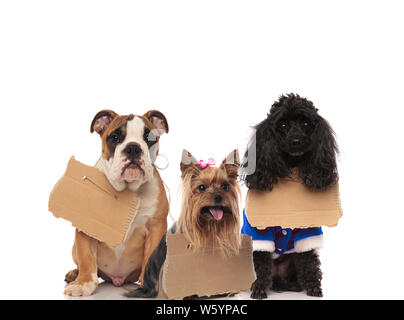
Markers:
292,205
85,197
206,273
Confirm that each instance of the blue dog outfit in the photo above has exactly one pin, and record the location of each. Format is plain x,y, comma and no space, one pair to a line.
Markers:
279,241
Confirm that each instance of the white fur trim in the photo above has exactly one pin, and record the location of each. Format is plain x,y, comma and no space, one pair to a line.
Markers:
263,245
308,244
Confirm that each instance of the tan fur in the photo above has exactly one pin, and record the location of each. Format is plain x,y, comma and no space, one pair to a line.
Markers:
199,230
84,250
157,226
117,122
94,257
125,263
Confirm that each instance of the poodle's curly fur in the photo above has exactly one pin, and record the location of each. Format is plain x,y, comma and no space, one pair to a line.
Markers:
293,135
312,150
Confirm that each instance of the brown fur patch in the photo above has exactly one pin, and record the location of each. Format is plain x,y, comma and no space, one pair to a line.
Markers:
109,115
119,122
157,119
84,256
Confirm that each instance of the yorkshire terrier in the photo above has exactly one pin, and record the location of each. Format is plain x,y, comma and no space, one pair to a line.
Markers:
209,214
292,137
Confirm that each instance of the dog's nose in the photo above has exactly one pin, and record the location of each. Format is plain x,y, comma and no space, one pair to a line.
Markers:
132,151
217,198
296,142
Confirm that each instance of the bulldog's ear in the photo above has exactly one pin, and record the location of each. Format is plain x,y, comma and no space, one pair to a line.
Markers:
189,164
102,120
231,164
158,120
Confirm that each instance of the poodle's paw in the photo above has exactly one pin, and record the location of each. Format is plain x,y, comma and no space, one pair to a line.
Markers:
315,292
80,288
258,290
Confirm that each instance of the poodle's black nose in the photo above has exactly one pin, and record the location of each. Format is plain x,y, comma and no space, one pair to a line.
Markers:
296,142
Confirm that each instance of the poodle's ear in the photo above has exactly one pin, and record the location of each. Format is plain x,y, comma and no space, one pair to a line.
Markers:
263,164
320,169
189,165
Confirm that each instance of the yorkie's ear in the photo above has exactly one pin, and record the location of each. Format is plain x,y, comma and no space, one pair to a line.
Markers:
231,164
189,164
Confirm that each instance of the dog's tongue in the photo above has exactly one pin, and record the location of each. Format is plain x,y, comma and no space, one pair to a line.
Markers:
217,213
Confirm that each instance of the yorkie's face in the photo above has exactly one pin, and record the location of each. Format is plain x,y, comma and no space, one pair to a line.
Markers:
210,208
214,194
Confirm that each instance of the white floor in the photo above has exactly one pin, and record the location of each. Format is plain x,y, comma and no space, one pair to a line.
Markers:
107,291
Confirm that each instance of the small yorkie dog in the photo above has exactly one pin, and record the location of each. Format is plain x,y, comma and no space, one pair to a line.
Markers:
209,214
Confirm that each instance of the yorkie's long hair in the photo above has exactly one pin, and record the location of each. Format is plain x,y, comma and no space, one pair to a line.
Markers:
210,204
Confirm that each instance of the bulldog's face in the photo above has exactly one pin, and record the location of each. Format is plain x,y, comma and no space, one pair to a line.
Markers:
129,146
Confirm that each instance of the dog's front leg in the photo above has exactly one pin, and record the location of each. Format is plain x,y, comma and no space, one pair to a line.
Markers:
263,267
309,273
157,229
85,257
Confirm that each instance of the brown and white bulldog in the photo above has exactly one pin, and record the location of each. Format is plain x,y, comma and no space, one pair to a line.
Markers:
129,148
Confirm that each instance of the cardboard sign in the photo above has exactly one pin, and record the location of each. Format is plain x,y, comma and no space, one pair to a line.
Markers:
292,205
85,197
205,273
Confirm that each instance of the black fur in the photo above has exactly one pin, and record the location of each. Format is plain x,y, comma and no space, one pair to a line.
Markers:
150,287
308,272
290,272
293,135
263,266
274,147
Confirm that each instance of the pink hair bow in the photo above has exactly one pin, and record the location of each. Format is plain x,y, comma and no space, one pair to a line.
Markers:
210,163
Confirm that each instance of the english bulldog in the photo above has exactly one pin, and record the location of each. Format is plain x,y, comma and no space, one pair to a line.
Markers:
130,145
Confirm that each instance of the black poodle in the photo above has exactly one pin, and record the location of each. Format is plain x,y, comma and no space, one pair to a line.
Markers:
293,135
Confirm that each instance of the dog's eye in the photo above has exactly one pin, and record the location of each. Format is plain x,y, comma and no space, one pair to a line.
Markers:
225,187
149,137
283,125
114,138
202,188
306,123
146,134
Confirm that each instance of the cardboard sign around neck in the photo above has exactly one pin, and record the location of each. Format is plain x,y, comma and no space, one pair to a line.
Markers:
85,197
290,204
205,273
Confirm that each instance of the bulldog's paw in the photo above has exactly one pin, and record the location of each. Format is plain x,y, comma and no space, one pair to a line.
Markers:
71,275
80,288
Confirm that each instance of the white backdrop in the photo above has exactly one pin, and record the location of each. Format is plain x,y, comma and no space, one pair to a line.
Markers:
213,68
